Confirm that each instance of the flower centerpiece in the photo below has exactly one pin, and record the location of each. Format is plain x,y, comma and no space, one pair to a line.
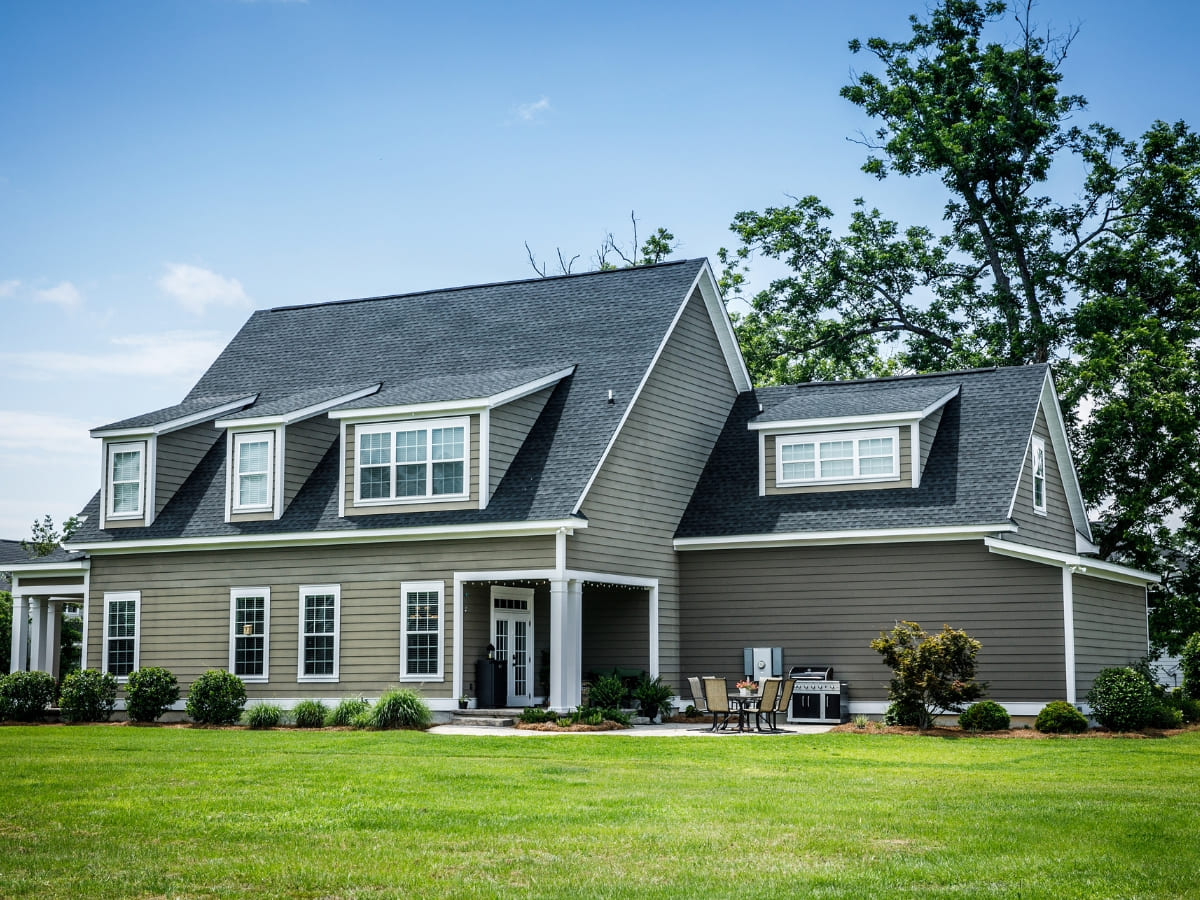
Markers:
747,687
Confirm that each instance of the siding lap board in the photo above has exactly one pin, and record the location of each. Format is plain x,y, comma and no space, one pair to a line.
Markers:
1054,530
1110,627
178,454
510,425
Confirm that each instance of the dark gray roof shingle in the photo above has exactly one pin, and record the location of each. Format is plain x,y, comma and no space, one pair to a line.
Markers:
831,399
282,406
190,406
459,386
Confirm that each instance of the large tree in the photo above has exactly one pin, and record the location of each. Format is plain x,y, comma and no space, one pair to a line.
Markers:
1101,279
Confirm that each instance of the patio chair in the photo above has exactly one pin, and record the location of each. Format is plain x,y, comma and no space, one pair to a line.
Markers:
766,701
781,704
698,695
716,699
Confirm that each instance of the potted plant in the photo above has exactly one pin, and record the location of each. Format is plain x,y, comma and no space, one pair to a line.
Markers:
464,702
747,687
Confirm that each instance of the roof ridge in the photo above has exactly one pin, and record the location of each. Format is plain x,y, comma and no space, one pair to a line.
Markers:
486,284
982,370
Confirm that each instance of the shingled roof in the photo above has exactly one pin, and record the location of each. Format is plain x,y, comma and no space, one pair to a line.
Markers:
969,478
441,345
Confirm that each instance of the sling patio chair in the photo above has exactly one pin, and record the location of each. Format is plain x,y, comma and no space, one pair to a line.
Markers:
716,698
766,701
781,704
698,695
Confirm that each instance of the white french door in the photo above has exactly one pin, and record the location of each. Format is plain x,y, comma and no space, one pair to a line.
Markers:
512,635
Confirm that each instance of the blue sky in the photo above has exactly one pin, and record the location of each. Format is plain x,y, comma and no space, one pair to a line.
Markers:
168,166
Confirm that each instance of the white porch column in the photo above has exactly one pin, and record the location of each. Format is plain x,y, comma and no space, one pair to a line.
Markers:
20,633
37,634
566,644
54,613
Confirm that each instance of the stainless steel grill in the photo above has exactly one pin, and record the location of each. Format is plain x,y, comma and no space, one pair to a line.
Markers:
817,698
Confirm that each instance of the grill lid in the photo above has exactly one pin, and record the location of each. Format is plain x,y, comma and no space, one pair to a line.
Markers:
816,673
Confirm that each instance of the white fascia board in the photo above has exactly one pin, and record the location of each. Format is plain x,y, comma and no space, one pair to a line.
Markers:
297,415
851,536
1081,565
1062,452
320,538
175,424
723,326
33,568
908,417
1083,545
531,387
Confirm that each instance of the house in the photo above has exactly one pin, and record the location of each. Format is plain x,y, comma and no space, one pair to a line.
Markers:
577,472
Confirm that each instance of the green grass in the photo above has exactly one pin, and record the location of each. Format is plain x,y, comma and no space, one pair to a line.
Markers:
150,812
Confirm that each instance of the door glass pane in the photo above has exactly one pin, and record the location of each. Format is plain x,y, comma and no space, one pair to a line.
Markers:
520,662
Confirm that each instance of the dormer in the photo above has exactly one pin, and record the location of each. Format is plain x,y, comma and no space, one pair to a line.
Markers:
438,443
272,448
842,436
146,458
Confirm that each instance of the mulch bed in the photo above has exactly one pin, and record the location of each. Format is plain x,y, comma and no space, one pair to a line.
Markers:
551,726
1020,733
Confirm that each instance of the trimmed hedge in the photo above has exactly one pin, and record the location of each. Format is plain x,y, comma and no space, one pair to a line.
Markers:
1122,699
1060,717
216,698
150,693
986,715
88,696
25,696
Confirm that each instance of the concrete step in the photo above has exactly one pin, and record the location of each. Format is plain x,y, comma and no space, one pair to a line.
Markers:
483,721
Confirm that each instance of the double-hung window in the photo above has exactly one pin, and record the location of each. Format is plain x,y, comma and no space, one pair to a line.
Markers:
421,630
122,630
837,457
1039,475
253,471
250,630
126,480
412,461
320,612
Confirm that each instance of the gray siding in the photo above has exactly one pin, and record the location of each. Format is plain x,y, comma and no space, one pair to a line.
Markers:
510,426
177,457
928,431
305,444
636,502
1054,530
616,628
824,605
1110,627
904,481
477,621
185,605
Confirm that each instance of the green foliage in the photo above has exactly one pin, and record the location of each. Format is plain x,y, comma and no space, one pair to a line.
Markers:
6,613
263,715
986,715
1164,715
216,698
1060,717
362,719
309,714
932,674
535,715
344,714
654,697
400,708
1189,667
88,696
904,712
1189,707
1121,699
70,642
24,696
150,693
45,538
607,692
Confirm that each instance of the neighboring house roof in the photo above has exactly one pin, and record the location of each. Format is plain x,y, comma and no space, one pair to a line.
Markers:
441,346
973,464
10,552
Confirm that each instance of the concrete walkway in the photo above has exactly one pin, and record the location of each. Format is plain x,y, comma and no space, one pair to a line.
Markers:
670,729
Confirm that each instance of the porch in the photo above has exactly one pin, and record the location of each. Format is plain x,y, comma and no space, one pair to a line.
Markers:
40,592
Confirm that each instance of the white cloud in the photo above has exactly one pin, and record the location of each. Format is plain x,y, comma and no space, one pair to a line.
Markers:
8,288
170,354
22,432
530,111
196,289
63,294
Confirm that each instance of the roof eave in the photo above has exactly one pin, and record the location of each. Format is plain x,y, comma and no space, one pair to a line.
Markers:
175,424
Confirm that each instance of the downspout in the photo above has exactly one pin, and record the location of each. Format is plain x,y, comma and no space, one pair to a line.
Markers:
1069,631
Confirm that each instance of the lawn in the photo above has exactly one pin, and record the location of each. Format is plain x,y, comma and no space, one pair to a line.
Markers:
158,812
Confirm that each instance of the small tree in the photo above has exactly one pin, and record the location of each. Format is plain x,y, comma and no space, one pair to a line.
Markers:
1189,664
932,674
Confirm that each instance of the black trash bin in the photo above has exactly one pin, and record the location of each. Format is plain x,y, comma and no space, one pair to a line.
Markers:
491,683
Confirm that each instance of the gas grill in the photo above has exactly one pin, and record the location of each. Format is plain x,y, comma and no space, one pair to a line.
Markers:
817,698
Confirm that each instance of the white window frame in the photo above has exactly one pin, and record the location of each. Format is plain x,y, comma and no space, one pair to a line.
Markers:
140,447
412,587
123,597
265,593
253,437
428,426
310,590
817,438
1038,461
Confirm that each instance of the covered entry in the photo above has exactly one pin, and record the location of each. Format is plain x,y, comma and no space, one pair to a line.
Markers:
40,592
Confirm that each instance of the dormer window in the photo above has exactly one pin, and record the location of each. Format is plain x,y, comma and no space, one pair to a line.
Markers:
126,480
253,483
838,457
412,461
1039,476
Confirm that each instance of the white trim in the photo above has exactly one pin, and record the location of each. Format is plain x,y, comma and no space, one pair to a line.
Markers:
907,417
265,594
1083,545
424,425
507,592
718,314
653,649
1037,447
1081,565
66,591
304,592
416,587
142,448
111,597
853,536
174,424
762,464
83,625
341,488
1063,458
1069,632
829,437
320,538
914,452
531,387
237,438
485,458
297,415
151,479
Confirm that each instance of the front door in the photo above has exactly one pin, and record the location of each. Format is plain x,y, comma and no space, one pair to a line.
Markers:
512,635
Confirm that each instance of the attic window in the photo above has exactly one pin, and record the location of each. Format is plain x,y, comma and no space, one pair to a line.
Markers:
253,483
412,461
839,457
1039,476
126,468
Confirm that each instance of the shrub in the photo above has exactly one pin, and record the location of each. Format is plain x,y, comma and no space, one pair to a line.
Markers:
1163,715
88,696
362,719
24,696
1188,707
1060,717
932,674
309,714
607,692
1121,699
903,712
150,693
654,697
985,715
400,708
1189,667
342,715
264,715
216,698
535,715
